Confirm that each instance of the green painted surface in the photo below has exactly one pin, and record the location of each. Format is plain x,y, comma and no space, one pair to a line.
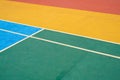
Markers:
38,60
87,43
95,67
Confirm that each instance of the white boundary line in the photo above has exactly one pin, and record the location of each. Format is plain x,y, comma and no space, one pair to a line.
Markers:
26,37
20,33
64,32
84,49
58,43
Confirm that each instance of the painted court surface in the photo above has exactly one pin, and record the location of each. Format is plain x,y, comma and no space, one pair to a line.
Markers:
59,40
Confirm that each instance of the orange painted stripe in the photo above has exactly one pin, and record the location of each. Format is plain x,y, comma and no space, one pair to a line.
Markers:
106,6
92,24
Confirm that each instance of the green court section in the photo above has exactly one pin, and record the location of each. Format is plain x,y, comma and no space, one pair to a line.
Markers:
39,60
95,67
80,41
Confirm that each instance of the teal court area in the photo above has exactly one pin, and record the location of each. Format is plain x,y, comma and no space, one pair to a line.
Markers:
31,53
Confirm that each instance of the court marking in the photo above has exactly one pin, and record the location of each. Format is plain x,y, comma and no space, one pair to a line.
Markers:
58,43
63,32
27,36
24,29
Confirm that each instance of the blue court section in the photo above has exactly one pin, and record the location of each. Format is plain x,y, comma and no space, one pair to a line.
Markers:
24,29
7,38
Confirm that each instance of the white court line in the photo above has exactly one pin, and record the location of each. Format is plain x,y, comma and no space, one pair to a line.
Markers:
64,32
21,33
62,44
84,49
26,37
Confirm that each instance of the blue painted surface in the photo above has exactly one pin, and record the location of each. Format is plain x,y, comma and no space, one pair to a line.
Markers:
28,30
7,39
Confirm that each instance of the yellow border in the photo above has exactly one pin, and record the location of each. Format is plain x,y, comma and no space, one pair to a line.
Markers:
92,24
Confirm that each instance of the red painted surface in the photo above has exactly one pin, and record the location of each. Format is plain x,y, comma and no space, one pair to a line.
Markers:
106,6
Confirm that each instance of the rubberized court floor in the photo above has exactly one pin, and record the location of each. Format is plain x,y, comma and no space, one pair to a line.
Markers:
33,53
59,39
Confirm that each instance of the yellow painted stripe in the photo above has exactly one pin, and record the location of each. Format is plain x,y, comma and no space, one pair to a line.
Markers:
92,24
